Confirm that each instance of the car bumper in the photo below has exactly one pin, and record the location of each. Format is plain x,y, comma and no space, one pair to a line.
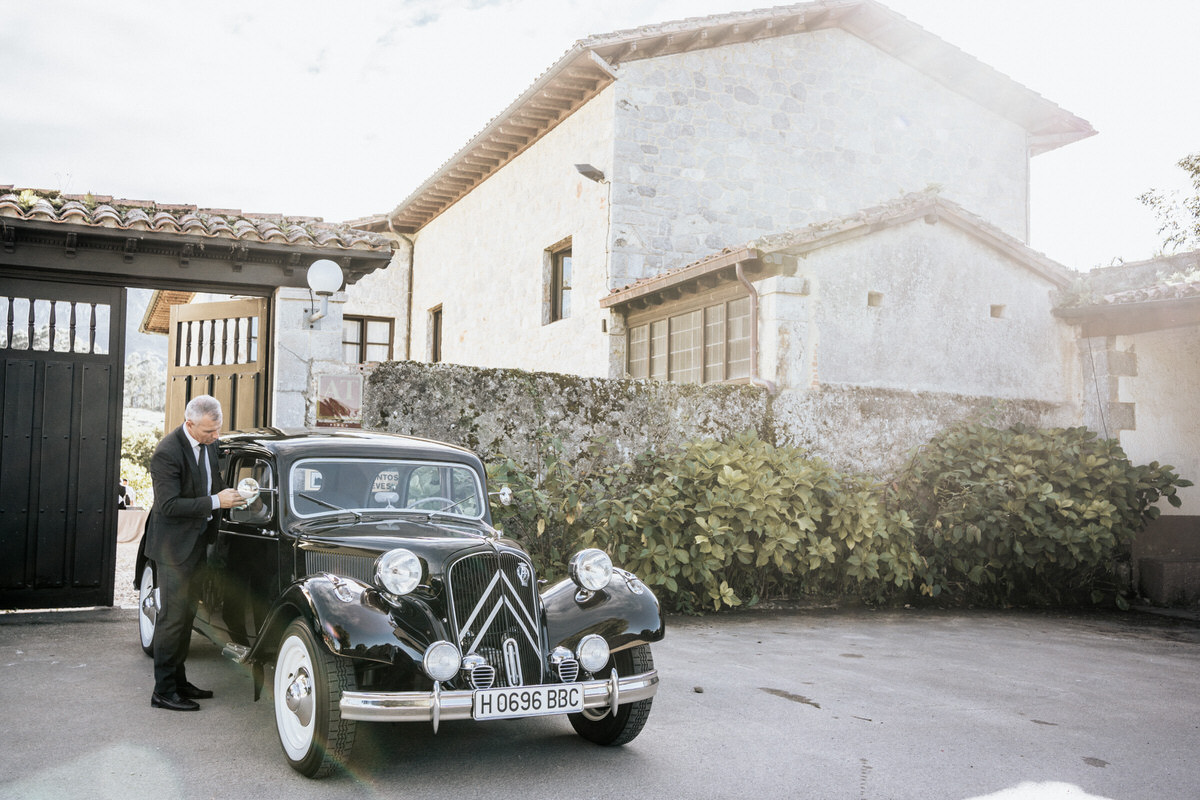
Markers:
441,705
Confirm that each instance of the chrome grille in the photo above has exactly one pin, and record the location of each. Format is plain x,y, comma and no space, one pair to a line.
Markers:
494,599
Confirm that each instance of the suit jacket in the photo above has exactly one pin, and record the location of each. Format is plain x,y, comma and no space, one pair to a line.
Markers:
179,517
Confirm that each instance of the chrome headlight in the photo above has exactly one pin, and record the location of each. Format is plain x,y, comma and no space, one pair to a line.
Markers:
592,652
398,571
591,569
441,661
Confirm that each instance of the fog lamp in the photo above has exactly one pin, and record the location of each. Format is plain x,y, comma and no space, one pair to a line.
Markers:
441,661
592,652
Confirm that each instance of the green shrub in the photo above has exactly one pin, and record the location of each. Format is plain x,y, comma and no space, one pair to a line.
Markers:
137,446
980,515
1025,515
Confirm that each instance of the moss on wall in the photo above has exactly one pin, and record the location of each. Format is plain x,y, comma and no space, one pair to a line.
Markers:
500,411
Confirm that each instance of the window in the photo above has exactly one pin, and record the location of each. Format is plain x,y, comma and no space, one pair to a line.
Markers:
435,335
366,339
560,283
707,344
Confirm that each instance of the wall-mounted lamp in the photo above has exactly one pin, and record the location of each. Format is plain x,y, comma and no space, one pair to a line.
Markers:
324,278
590,172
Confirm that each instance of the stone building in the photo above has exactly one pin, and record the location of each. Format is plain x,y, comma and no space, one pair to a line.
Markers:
823,199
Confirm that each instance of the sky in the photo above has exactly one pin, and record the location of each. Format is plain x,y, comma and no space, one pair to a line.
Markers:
340,110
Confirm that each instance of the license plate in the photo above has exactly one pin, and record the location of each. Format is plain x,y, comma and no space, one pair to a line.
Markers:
528,701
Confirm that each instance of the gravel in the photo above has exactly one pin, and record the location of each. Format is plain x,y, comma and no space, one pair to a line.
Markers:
124,595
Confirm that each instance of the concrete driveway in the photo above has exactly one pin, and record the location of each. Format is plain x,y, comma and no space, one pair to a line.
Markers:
796,704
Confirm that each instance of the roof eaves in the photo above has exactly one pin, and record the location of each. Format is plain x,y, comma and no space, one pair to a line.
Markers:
1049,126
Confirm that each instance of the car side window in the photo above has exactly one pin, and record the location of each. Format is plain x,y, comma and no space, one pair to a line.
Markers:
259,510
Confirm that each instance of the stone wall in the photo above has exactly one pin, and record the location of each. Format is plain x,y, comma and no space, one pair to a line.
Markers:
494,411
719,146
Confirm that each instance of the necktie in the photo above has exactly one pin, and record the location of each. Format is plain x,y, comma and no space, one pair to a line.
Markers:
202,460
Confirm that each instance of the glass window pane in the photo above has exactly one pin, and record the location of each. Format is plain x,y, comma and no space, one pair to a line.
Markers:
378,352
350,353
639,351
658,350
351,330
379,331
714,344
687,347
738,338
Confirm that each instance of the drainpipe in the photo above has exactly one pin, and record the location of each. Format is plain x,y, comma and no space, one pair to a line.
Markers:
412,252
755,380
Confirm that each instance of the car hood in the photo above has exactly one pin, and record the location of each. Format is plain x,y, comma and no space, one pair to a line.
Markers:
380,534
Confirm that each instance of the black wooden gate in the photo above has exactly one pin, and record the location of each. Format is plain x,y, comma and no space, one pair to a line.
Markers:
61,375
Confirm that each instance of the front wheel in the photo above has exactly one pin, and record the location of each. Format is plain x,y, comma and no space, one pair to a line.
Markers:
309,681
600,725
148,606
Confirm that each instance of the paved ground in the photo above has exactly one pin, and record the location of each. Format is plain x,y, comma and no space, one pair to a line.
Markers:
821,704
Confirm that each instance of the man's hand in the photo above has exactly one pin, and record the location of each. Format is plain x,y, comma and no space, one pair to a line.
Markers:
230,498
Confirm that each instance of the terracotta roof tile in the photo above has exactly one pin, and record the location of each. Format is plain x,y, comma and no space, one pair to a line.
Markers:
103,211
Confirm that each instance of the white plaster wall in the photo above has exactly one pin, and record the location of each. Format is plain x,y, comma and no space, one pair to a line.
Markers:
1165,392
482,260
384,293
933,329
302,352
719,146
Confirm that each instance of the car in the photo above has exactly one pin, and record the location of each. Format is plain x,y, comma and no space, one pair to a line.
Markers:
363,575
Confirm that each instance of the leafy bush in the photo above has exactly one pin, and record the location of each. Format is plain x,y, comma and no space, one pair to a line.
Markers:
1025,515
137,445
980,515
715,524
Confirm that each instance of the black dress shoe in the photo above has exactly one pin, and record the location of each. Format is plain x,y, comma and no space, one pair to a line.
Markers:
173,702
193,692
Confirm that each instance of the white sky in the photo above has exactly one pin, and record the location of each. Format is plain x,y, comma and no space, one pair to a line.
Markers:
340,110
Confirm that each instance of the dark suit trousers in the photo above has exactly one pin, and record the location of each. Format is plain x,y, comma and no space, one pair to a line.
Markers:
179,590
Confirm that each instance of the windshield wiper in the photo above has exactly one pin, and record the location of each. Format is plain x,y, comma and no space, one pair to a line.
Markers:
331,506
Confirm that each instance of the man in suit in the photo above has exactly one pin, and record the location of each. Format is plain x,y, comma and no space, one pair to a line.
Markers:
188,498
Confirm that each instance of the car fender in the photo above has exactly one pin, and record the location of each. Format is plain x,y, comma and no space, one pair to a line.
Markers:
625,613
353,619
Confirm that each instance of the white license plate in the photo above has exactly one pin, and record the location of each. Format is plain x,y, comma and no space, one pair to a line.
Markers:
528,701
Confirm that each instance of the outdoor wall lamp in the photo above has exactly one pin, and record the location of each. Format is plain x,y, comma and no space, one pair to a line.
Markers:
324,278
590,172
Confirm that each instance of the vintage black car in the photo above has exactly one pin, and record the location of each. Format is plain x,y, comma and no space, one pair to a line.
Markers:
365,574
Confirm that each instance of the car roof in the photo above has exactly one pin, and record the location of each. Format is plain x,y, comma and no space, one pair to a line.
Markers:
306,442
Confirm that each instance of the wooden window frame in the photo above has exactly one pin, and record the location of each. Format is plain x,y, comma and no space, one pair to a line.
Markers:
363,322
659,365
556,286
436,322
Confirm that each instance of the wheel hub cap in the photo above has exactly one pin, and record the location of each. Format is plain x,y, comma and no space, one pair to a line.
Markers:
299,696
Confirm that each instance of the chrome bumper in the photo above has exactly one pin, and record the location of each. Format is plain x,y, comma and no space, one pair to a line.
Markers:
446,705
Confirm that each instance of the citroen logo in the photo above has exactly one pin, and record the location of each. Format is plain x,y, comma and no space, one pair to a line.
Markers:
523,574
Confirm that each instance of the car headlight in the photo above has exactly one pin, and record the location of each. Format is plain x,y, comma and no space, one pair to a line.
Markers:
441,661
591,569
398,571
592,652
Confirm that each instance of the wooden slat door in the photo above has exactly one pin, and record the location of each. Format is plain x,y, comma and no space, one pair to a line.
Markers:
61,357
220,349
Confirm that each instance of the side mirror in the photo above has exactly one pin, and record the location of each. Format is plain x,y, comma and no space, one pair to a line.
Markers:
505,496
248,488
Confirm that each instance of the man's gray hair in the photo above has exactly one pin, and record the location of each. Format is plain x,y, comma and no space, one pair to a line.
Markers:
202,406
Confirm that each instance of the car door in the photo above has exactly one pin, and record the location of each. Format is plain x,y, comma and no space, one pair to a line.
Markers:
244,561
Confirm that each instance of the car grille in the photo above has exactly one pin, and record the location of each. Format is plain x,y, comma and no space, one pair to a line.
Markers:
495,611
350,566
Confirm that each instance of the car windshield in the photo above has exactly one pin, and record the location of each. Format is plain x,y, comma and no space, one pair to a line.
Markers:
320,486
